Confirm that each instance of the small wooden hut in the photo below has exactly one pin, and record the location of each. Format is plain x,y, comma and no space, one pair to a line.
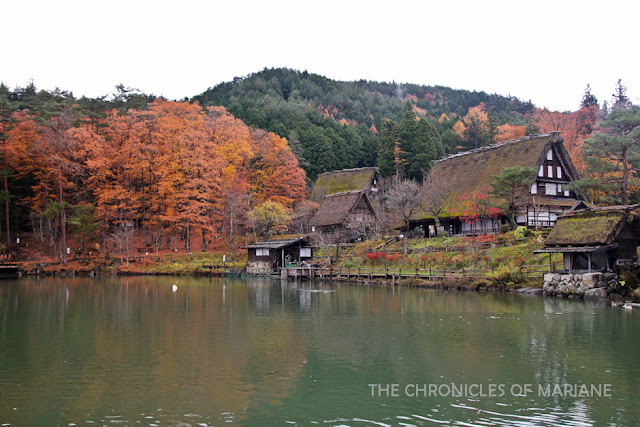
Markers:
346,213
269,256
596,239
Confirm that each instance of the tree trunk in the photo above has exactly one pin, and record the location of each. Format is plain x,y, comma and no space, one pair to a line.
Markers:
6,206
625,177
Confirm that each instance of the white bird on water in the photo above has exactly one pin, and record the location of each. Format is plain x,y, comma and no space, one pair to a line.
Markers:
174,288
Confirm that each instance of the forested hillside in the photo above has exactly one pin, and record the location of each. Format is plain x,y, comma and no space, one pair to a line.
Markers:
333,125
104,170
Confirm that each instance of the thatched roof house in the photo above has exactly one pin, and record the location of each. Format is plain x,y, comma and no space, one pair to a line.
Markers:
595,239
465,175
347,210
361,179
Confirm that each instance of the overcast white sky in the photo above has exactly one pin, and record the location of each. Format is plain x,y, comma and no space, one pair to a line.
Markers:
545,51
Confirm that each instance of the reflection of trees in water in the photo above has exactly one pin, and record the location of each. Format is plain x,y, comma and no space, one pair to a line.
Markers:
133,346
246,347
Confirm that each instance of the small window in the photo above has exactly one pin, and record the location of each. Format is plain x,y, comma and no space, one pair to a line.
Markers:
550,171
558,172
559,188
313,228
550,190
541,171
262,252
534,188
550,155
305,252
566,193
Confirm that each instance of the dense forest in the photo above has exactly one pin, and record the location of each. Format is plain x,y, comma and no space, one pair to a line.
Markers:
134,166
332,125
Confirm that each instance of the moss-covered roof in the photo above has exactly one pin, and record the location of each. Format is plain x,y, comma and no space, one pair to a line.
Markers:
341,181
587,228
473,171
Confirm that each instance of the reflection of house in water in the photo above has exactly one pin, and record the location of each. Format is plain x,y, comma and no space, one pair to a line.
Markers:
262,296
304,299
596,239
269,256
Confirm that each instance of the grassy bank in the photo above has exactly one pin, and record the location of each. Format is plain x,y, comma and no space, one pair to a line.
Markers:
492,260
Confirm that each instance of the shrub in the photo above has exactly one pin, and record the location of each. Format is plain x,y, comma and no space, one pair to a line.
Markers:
505,275
350,263
522,232
504,228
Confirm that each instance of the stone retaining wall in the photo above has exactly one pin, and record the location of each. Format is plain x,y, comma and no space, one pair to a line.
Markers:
259,268
588,285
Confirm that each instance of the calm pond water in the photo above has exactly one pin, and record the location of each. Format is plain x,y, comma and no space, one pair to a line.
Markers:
79,351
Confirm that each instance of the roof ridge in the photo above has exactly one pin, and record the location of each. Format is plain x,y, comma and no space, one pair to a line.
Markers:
349,170
345,193
498,145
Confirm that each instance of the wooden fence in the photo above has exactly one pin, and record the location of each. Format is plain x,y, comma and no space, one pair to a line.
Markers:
531,271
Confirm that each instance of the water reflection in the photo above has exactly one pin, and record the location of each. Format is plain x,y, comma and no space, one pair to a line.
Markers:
127,350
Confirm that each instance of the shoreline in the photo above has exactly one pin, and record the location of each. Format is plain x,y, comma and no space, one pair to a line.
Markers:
605,290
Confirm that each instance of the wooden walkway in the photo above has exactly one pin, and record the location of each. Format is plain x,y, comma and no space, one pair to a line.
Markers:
393,275
9,271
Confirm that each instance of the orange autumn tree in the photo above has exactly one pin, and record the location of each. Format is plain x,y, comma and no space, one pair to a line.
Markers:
275,172
506,132
232,139
575,128
161,175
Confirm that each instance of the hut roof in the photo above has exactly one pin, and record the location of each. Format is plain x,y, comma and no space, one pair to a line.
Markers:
587,228
341,181
473,171
335,208
275,244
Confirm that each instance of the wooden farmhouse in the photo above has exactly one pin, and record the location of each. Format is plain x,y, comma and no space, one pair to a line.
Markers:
269,256
361,179
596,239
465,177
347,214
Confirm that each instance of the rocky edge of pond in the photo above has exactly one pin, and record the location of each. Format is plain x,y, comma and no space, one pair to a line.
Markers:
603,286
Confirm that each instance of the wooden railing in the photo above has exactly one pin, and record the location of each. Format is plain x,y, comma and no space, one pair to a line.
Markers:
418,273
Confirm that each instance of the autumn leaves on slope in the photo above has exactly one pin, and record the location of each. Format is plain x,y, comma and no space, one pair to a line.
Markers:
175,168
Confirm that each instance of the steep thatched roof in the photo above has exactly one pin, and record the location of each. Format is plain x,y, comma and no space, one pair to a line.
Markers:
472,171
341,181
335,208
588,228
